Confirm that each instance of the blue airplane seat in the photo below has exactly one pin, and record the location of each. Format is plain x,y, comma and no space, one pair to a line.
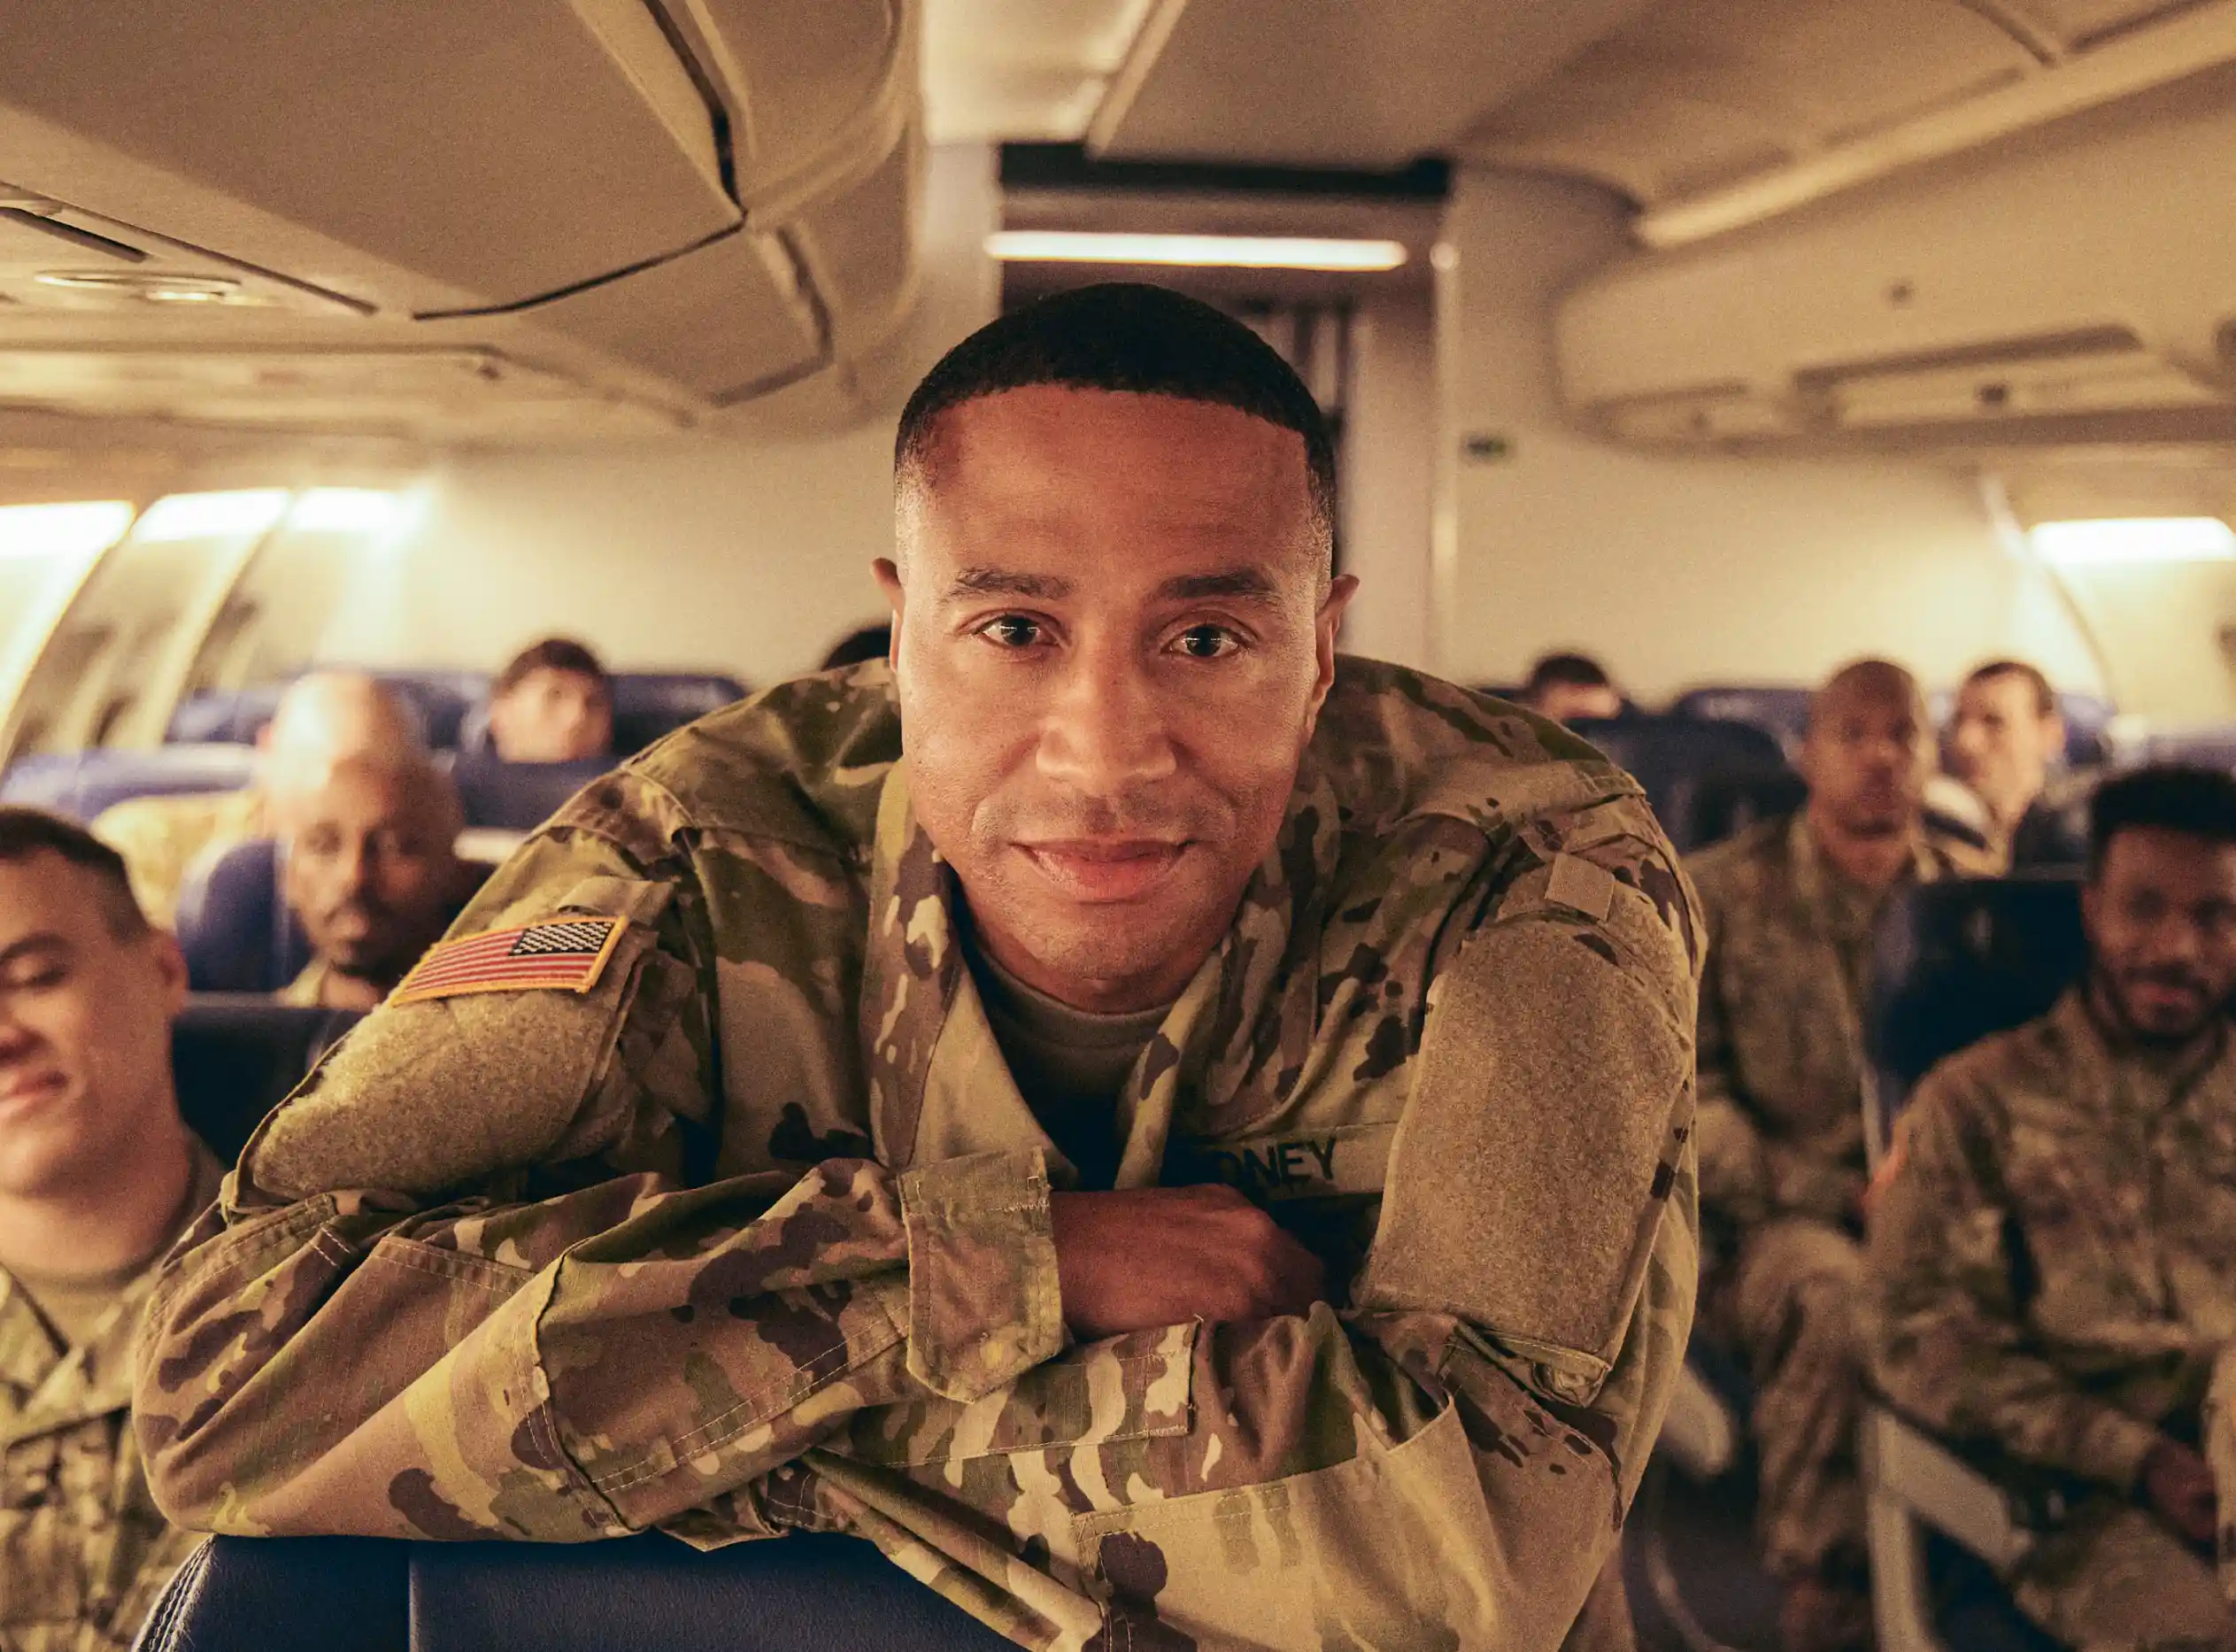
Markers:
80,784
236,1057
235,926
519,797
648,706
1672,757
1953,963
437,699
1780,710
2212,744
799,1594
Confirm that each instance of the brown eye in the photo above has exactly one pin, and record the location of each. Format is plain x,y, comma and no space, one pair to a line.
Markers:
1207,642
1010,630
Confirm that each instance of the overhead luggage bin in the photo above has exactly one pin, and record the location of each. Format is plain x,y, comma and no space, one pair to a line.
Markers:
2072,286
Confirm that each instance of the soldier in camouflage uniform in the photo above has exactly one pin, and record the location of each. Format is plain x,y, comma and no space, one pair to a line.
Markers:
735,1193
323,719
1791,906
2053,1254
98,1174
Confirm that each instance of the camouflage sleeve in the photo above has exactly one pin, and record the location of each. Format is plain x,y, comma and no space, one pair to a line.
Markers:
1735,1166
1538,1249
458,1287
1947,1343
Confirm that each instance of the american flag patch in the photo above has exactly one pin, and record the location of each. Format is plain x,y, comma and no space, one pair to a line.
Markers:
562,955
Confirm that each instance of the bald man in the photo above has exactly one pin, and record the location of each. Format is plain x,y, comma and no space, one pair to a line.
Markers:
1790,907
323,719
372,876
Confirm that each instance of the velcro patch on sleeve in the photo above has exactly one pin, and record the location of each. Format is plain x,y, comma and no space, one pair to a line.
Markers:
558,954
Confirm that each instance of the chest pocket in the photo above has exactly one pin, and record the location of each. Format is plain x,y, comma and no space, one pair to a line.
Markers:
1324,1186
59,1489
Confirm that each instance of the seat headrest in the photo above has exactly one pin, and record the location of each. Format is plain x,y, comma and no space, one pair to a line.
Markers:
1671,756
1956,961
236,1057
80,784
519,797
233,925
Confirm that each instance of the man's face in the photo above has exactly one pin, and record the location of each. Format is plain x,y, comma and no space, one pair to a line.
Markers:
552,716
1867,758
2001,745
370,870
1114,635
2161,914
85,1027
1570,702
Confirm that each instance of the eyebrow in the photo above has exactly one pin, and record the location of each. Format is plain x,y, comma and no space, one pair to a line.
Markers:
1244,583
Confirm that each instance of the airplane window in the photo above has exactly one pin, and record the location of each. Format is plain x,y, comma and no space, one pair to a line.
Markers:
44,552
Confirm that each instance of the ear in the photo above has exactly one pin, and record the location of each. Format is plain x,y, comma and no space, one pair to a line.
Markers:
1327,625
171,970
889,580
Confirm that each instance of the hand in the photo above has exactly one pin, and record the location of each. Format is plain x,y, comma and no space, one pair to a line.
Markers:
2179,1483
1152,1256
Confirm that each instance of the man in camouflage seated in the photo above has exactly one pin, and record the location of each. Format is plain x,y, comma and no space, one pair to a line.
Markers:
1791,906
98,1175
1195,1151
2053,1259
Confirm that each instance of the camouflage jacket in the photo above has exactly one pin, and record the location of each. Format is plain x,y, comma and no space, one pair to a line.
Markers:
1781,1049
162,839
83,1550
752,1235
2053,1247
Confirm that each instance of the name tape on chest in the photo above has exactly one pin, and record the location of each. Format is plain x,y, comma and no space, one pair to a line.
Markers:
558,954
1318,1164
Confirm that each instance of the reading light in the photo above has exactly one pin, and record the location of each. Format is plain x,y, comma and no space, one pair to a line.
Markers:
211,515
74,530
2135,539
1250,252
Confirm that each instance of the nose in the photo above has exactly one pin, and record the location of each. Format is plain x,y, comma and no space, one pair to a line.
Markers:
16,1040
1104,734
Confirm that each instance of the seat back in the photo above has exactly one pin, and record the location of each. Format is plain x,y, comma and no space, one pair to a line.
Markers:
1954,962
649,705
236,1057
519,797
80,784
1780,710
1674,757
235,926
437,699
799,1594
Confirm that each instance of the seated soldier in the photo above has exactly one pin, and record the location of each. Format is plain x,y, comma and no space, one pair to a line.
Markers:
553,704
97,1176
322,719
1567,688
1197,1151
1791,904
2053,1253
2007,744
372,875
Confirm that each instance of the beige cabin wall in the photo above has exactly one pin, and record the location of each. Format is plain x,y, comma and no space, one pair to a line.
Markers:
749,553
1681,569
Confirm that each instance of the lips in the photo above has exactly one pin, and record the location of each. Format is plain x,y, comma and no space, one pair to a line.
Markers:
1098,870
25,1092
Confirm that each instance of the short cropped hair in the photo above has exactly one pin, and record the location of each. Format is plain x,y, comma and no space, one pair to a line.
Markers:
553,654
25,832
2045,696
1566,671
2196,801
1126,337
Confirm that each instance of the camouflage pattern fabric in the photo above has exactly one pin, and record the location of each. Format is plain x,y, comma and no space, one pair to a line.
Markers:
753,1236
162,839
83,1550
1782,1163
2052,1269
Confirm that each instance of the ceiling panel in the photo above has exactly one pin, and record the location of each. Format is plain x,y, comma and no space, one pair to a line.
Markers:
1021,71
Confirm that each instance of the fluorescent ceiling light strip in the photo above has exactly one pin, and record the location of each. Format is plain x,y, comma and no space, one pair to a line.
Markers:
79,529
211,515
2135,539
1253,253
